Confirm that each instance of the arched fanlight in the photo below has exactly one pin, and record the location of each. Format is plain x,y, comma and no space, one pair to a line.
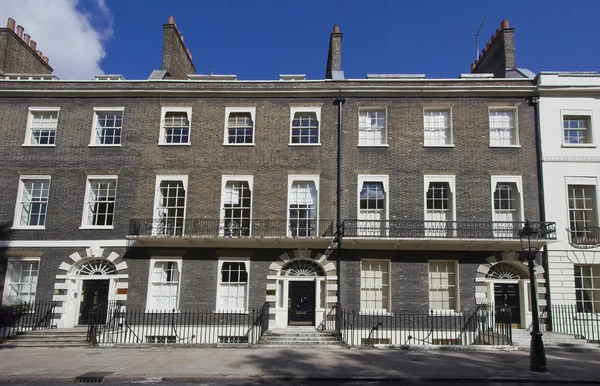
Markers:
302,268
96,267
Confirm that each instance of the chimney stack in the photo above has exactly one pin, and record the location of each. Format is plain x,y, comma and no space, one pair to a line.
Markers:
334,58
19,54
176,59
498,54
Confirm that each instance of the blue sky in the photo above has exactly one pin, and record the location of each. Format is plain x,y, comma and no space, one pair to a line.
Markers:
262,39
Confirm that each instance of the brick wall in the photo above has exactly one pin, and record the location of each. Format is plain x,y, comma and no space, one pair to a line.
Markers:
16,57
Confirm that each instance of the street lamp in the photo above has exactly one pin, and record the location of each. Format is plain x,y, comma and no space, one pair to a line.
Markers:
530,242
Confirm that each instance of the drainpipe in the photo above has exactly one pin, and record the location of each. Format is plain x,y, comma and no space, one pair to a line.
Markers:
339,101
535,101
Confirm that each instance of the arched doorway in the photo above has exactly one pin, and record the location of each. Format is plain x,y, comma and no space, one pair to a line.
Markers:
95,278
506,279
302,278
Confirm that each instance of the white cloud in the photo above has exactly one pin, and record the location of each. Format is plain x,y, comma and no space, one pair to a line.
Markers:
69,32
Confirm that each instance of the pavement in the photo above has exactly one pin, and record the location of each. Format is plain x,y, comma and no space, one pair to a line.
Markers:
191,363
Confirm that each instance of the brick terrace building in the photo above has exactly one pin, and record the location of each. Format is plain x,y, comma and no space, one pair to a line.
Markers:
204,191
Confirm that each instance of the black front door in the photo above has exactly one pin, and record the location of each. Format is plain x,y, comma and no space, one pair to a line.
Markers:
507,296
301,302
93,293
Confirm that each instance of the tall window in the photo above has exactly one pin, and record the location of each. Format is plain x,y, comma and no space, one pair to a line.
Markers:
302,209
439,206
371,128
107,127
587,288
576,129
239,127
33,201
582,210
305,128
164,285
175,126
438,130
233,286
21,281
237,200
375,285
42,125
100,202
170,207
503,128
442,285
507,209
372,209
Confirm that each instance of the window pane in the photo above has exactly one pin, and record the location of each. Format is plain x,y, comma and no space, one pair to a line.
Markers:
305,128
371,127
442,285
236,208
374,282
34,202
437,128
302,199
587,288
176,127
171,207
502,129
240,128
43,127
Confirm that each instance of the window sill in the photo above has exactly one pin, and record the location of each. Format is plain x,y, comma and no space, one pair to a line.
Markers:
304,144
578,145
450,146
36,145
444,313
161,311
99,145
238,144
375,313
28,228
233,311
95,227
384,145
505,146
174,144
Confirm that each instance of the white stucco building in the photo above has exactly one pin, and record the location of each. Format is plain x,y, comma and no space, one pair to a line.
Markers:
569,121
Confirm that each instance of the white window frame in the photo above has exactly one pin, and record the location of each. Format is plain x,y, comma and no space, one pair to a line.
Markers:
515,112
384,109
169,177
589,114
222,260
17,218
93,137
517,180
228,111
581,304
582,181
33,110
85,212
456,286
314,178
451,180
161,259
387,310
8,275
317,111
383,178
233,177
172,109
450,139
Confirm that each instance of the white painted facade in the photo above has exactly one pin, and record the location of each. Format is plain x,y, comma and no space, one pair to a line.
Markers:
563,164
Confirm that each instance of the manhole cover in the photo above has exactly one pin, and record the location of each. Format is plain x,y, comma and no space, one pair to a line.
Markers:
92,377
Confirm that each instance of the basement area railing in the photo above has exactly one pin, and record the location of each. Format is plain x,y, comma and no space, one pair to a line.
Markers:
116,324
418,229
26,316
577,320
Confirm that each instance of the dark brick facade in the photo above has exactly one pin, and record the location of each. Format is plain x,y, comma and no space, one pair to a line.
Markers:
176,60
16,57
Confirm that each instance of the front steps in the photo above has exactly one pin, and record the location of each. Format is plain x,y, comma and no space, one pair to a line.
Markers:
64,337
553,341
298,337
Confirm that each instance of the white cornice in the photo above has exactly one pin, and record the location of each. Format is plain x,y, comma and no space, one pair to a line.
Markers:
571,158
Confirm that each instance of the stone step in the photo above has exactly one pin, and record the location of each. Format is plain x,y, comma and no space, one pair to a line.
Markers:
49,336
298,340
17,344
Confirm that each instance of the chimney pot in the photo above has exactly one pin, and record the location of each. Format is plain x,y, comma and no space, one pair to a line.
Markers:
39,53
20,30
336,29
27,38
171,19
45,58
32,44
10,24
504,24
181,36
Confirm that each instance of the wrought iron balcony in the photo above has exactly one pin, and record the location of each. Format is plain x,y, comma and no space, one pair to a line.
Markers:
246,228
585,238
417,229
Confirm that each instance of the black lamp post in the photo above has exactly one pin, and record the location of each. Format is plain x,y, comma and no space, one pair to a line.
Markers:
530,242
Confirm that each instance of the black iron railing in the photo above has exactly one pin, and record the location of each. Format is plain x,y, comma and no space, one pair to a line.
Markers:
577,321
484,326
26,316
115,323
231,229
584,238
417,229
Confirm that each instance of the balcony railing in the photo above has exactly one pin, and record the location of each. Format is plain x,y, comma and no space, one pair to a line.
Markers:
416,229
584,238
244,228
